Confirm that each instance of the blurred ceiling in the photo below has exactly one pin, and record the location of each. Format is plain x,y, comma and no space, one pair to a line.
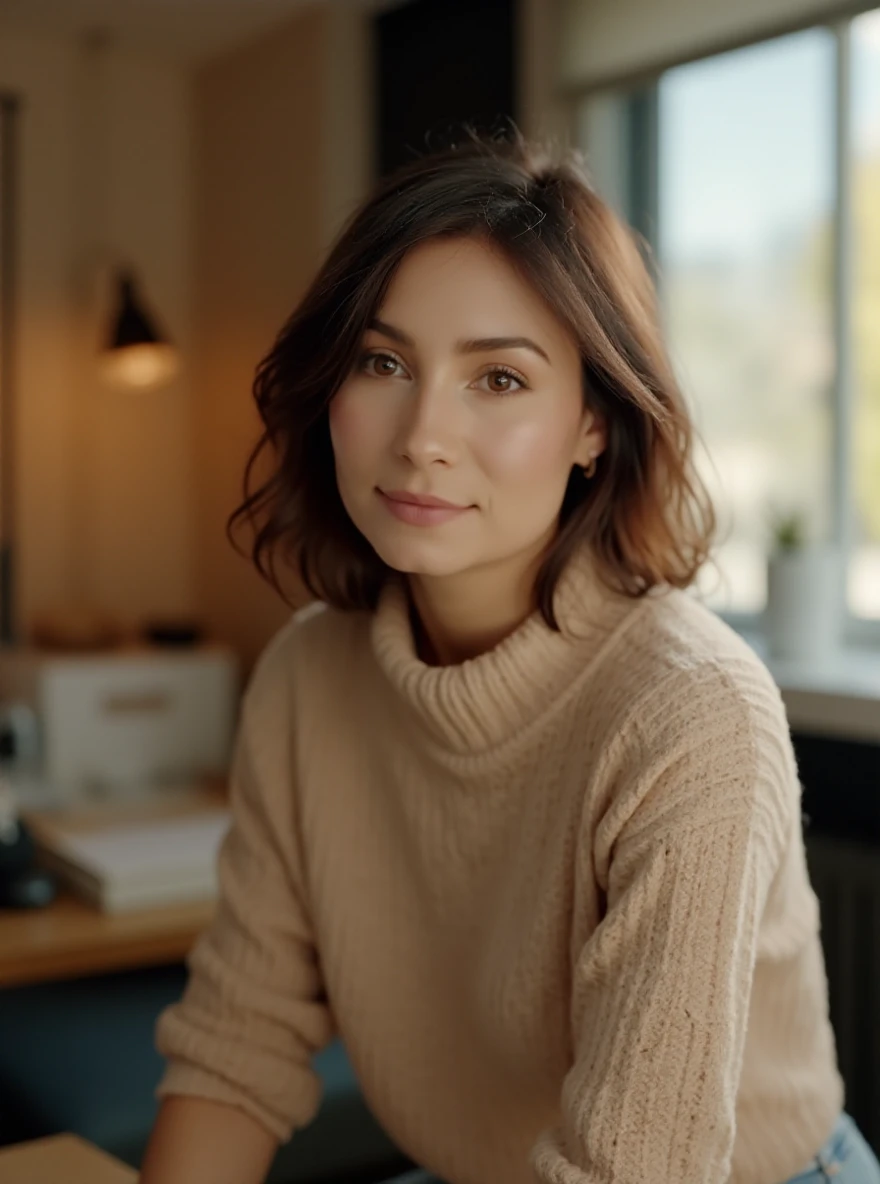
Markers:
189,30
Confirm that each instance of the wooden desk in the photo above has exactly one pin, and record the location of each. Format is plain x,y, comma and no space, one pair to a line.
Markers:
69,939
64,1158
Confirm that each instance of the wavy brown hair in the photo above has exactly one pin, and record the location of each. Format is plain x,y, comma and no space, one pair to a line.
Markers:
646,514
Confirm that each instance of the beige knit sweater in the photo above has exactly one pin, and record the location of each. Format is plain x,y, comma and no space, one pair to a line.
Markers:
553,899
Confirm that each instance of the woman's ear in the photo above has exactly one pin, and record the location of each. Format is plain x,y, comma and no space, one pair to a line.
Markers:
593,439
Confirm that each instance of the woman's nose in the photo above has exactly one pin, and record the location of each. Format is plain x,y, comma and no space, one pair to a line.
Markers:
430,428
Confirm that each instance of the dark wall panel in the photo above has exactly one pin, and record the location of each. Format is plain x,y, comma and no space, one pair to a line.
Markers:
441,63
841,780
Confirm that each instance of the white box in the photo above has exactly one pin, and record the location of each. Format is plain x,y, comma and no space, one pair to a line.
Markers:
127,716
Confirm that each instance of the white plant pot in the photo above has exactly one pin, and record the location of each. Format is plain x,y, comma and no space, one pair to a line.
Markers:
802,619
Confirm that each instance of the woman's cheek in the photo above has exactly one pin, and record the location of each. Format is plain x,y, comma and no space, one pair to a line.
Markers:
524,451
349,425
365,410
339,415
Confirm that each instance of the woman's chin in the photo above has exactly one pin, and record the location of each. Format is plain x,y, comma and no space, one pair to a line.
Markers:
421,557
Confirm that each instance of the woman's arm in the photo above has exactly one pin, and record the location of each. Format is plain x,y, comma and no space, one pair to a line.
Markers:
254,1013
197,1141
706,795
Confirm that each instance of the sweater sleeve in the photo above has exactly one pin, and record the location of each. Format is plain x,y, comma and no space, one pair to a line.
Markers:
685,854
253,1013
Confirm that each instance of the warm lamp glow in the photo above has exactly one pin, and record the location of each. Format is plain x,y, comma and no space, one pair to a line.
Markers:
137,356
139,367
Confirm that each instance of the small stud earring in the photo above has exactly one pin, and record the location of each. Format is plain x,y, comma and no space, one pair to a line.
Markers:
590,469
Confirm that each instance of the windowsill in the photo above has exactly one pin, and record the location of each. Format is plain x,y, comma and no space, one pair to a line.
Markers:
838,696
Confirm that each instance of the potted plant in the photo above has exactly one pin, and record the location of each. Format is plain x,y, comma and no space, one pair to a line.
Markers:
802,617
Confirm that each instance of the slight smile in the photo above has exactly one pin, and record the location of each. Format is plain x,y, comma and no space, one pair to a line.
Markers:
420,510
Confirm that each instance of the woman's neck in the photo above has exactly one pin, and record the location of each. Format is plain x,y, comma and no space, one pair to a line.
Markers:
462,616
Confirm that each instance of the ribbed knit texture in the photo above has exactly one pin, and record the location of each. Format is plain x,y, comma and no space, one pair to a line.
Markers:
554,899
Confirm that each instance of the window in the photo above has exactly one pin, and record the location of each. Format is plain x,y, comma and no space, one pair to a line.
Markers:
864,571
755,175
745,197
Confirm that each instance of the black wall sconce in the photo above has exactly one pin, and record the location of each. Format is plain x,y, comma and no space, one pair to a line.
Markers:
137,355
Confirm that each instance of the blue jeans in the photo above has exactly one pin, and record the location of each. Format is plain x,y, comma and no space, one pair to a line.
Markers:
845,1159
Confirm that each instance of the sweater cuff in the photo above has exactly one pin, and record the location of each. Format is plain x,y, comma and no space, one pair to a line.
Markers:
182,1079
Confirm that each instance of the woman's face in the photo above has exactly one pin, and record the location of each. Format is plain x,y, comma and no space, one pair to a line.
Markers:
467,390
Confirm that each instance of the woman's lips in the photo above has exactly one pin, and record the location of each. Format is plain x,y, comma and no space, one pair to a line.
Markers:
420,511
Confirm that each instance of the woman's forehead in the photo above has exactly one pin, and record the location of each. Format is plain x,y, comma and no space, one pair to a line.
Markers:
453,289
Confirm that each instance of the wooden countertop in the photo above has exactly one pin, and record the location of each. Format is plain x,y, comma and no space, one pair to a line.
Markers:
61,1157
69,939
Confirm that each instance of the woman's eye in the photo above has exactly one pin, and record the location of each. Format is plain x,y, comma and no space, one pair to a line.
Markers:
380,365
500,381
503,382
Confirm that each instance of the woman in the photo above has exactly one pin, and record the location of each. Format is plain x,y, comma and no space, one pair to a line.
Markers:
514,814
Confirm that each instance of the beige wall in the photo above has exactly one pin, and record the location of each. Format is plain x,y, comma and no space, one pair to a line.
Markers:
222,185
606,39
104,508
543,113
282,134
43,74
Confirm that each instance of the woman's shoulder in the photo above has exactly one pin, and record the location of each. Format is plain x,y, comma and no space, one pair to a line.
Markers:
705,725
678,641
686,675
312,644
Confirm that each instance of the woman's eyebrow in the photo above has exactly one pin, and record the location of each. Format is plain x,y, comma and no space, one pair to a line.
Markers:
472,346
485,344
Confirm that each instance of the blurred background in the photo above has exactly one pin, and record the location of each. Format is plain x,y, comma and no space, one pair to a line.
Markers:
171,174
214,149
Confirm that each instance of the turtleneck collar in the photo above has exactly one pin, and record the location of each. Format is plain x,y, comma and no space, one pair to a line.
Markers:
478,704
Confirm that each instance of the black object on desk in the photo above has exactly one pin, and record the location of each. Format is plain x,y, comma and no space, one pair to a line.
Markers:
23,885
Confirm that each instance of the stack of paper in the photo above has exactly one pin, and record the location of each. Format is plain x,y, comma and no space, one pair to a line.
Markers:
138,864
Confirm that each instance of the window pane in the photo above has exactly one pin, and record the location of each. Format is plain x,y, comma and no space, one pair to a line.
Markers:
604,134
745,203
864,574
